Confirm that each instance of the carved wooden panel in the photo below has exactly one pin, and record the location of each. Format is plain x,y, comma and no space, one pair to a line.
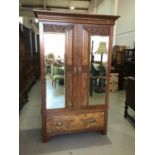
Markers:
57,28
84,89
97,30
69,48
69,89
85,48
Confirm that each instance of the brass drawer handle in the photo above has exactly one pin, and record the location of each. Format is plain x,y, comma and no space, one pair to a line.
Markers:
79,69
59,124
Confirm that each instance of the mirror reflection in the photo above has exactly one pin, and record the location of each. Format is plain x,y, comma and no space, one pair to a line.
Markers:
54,70
98,66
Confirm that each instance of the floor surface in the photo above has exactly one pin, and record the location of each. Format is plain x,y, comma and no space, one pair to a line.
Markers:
120,139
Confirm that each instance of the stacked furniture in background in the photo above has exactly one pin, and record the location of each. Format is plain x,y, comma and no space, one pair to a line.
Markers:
28,62
129,65
130,97
129,78
23,96
118,60
114,82
123,60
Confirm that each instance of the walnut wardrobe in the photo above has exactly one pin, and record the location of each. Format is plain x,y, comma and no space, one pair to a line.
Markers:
75,58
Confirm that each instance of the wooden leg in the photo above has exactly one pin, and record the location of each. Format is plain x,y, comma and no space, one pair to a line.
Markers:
103,132
44,138
44,131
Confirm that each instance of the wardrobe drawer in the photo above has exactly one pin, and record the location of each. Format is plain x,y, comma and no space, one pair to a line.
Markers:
93,120
65,123
60,123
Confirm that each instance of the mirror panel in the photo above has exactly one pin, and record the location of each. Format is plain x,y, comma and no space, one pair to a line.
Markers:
98,69
54,50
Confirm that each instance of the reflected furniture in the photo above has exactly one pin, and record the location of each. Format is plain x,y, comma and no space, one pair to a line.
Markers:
57,77
97,78
130,96
57,74
78,114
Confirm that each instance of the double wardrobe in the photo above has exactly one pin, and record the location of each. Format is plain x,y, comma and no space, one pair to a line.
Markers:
75,61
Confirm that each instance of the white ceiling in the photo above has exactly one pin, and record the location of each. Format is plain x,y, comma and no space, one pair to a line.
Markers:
26,6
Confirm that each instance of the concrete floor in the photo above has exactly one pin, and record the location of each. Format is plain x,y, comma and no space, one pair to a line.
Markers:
120,139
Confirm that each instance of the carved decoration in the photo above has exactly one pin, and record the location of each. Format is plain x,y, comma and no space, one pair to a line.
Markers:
97,30
57,28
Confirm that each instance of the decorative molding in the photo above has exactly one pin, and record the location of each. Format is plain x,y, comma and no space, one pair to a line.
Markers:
98,30
57,28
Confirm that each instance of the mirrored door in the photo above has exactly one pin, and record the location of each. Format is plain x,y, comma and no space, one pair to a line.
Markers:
54,45
94,64
58,60
98,69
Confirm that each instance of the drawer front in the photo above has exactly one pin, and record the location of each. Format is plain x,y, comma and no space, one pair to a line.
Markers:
95,120
62,123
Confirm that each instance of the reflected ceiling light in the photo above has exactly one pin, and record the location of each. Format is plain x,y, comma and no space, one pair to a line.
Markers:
21,20
36,20
72,7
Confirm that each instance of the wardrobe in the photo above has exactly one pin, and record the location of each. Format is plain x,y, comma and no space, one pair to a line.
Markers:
28,62
80,48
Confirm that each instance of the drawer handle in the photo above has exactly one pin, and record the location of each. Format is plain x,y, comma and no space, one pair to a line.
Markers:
92,121
59,124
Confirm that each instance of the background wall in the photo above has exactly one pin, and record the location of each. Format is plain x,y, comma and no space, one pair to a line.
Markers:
93,7
106,7
124,32
125,28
